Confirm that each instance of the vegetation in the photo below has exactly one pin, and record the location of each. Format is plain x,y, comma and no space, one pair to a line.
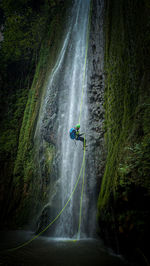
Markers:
124,198
32,32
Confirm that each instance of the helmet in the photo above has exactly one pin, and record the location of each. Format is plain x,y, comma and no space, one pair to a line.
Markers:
77,126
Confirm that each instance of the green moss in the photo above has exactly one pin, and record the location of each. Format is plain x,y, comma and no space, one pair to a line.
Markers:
45,65
127,120
27,180
49,154
25,68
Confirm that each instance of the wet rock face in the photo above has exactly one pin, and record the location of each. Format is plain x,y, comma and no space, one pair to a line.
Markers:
45,219
96,86
49,130
94,134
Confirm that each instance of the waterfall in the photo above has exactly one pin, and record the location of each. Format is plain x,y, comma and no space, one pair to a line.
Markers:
63,93
71,154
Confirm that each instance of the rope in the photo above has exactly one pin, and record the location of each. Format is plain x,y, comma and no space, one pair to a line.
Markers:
36,236
86,51
83,161
81,200
81,104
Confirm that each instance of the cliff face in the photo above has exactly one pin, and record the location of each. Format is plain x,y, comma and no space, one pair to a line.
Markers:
34,168
96,89
24,78
37,161
123,205
119,106
94,133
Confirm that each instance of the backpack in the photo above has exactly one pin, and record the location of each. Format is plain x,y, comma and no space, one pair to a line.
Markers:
72,133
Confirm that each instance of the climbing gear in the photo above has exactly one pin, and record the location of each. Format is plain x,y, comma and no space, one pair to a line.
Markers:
72,133
71,195
83,161
81,199
77,134
87,40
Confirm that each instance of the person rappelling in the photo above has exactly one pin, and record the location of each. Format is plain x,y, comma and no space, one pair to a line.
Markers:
76,135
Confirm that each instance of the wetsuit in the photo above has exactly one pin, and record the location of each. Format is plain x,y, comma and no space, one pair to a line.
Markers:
78,137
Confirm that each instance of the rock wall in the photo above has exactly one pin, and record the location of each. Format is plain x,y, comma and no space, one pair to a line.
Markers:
32,170
123,205
96,90
95,156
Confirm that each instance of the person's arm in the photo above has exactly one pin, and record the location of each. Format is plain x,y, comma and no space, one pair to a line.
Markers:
82,134
77,133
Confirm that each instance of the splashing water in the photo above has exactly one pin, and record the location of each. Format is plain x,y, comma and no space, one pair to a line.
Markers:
67,77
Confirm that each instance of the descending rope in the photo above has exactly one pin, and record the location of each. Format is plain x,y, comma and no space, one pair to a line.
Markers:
81,200
86,51
83,161
81,104
36,236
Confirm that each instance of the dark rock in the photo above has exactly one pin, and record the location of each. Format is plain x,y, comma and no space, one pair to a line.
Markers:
96,87
44,219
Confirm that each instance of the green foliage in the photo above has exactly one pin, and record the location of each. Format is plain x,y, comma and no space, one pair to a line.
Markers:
125,189
126,104
26,173
10,124
49,154
23,30
32,33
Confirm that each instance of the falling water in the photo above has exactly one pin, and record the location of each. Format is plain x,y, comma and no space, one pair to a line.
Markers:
70,104
68,79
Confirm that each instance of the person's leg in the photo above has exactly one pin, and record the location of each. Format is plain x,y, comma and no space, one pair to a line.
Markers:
83,140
